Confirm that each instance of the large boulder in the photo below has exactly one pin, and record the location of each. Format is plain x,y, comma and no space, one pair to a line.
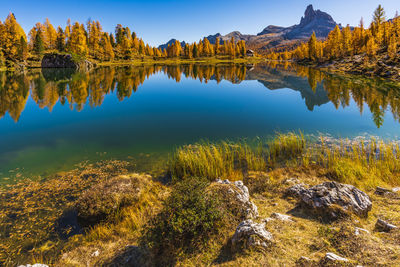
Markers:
250,235
332,198
235,197
54,60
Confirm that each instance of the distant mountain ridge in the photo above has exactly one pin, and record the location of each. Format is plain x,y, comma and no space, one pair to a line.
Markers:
274,36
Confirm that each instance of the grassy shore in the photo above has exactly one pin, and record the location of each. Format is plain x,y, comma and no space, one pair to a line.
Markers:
177,218
177,61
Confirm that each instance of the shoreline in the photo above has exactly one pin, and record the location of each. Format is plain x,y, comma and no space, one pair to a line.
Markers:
283,159
147,61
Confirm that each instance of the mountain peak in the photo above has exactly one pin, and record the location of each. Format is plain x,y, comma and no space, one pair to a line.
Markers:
313,21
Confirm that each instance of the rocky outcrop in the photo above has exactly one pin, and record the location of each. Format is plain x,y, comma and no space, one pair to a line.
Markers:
330,198
235,196
251,235
55,60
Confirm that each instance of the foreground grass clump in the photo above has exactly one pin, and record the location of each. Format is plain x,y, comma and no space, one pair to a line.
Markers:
105,200
190,217
365,163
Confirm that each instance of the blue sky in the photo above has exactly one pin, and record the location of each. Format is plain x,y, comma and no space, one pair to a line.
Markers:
158,21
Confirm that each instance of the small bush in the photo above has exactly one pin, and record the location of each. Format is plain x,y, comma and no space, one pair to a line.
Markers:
189,218
105,199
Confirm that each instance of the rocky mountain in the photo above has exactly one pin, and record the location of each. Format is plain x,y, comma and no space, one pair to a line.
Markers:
276,36
313,21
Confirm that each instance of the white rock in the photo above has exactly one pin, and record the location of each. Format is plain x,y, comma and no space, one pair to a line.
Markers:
281,217
331,257
96,253
357,231
34,265
396,190
242,196
251,234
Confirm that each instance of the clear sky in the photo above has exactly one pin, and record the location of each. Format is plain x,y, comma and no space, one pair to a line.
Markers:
158,21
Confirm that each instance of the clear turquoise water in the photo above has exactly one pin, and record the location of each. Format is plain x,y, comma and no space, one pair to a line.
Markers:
40,138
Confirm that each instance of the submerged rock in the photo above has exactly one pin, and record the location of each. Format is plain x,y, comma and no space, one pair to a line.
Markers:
55,60
251,235
384,226
327,197
236,197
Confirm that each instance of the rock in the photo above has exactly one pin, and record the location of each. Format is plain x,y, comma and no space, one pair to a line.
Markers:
54,60
236,196
96,253
327,197
304,261
281,217
296,191
396,190
34,265
331,258
386,192
251,235
358,231
384,226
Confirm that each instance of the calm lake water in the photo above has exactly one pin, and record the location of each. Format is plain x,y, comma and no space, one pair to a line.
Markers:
53,119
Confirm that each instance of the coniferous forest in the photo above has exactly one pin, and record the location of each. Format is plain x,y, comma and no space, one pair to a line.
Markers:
92,42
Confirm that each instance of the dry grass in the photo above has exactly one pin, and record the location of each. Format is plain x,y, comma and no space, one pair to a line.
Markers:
365,164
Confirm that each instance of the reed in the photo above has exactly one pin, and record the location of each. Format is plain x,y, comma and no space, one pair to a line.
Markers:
364,163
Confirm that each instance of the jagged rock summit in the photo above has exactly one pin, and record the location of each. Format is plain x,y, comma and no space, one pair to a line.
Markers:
313,21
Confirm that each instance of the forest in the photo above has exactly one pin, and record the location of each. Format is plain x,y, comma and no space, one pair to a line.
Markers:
90,41
381,36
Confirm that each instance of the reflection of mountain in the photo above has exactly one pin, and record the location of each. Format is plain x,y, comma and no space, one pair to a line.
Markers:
275,79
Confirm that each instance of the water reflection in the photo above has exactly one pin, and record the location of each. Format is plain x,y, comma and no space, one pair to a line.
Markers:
47,87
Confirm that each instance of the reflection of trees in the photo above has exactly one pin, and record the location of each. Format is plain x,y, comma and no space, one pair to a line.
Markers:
377,94
14,92
49,87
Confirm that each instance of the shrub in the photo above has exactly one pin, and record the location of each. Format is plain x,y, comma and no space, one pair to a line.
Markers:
105,199
189,218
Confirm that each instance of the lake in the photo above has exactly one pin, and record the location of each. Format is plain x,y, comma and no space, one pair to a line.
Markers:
51,120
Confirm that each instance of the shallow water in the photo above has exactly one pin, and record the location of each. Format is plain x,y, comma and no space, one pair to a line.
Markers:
51,120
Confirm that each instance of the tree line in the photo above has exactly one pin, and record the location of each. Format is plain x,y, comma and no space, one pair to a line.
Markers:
91,41
381,36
